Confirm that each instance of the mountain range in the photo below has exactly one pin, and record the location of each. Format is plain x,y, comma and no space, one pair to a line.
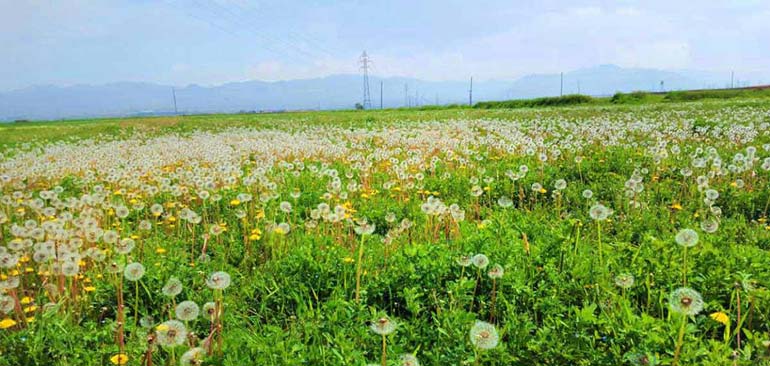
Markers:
331,92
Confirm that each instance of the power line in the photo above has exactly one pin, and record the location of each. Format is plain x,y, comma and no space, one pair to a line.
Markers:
470,93
364,60
173,93
406,95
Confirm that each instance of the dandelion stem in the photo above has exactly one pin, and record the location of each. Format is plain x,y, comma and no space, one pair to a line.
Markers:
136,302
599,238
679,341
384,351
684,267
358,269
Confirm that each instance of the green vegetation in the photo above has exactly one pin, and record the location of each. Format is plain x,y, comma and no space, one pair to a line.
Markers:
599,235
566,100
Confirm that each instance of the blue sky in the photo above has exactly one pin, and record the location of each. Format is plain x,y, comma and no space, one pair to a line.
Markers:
210,42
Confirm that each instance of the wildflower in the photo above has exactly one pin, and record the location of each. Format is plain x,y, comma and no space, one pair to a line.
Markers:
285,207
119,359
209,309
383,326
172,288
187,310
709,225
365,229
6,304
484,335
599,212
480,261
7,323
408,360
171,333
193,357
218,280
685,300
687,238
505,202
720,317
624,280
125,246
496,272
464,260
134,271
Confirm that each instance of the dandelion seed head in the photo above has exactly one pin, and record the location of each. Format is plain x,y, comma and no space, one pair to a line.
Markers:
218,280
484,335
480,261
685,300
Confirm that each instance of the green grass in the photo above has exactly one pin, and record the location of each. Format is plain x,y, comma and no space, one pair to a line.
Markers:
294,295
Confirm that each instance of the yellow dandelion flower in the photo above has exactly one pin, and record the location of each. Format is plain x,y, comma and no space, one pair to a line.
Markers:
720,317
89,289
7,323
160,250
676,206
235,202
25,300
119,359
162,327
543,190
348,260
30,309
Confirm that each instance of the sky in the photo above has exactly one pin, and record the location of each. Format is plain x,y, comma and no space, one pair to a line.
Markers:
210,42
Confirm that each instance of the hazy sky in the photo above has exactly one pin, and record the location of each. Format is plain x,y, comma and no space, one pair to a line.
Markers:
214,41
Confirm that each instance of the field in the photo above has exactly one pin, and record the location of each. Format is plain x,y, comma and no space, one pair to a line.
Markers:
579,235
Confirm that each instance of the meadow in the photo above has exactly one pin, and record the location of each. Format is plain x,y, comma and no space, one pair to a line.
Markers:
578,235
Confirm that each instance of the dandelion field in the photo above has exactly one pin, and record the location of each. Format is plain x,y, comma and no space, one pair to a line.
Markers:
597,235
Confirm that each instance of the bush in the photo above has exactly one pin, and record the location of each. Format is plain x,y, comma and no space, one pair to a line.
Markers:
572,99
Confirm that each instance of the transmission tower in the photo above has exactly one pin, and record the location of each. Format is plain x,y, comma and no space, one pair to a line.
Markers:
364,61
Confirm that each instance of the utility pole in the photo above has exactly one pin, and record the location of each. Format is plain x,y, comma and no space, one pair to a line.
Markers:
364,60
173,93
732,78
380,94
470,93
406,95
561,84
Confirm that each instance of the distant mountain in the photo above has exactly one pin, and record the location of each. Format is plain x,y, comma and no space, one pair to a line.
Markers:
331,92
603,80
